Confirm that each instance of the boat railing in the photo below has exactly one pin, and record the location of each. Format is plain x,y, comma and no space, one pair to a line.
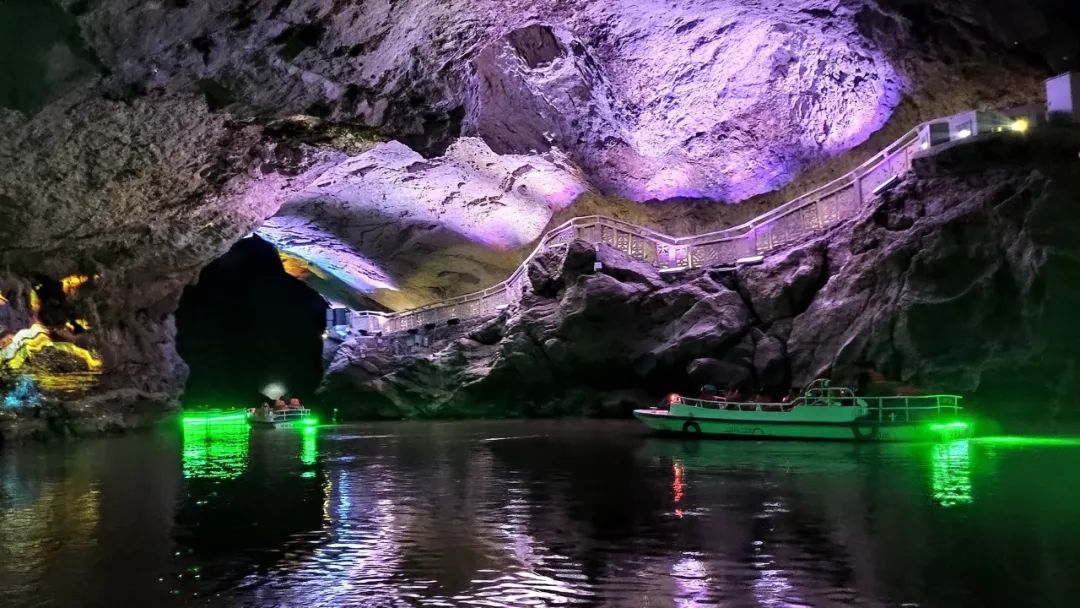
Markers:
912,408
289,414
741,406
886,409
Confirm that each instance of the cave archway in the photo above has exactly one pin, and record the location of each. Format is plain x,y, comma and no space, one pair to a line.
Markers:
247,324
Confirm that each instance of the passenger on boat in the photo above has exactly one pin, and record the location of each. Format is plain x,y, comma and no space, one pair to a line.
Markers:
294,404
279,404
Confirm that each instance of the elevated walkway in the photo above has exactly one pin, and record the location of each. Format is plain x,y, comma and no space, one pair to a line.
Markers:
787,224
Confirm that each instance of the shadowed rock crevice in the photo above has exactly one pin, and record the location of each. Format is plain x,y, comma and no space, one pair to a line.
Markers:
246,324
42,54
536,45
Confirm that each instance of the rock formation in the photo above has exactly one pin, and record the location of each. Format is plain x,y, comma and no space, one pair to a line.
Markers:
961,280
472,207
139,140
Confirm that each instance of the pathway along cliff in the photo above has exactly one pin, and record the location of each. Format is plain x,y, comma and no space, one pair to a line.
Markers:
962,278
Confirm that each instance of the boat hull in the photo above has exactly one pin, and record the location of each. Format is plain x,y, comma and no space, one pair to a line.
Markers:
853,430
281,419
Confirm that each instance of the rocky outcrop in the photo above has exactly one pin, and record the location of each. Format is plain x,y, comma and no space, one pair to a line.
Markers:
960,279
714,98
375,221
139,140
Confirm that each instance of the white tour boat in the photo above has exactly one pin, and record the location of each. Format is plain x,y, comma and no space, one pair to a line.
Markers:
269,417
822,412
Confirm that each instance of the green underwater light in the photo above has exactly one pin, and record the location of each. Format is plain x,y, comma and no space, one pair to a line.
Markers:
955,425
213,416
1028,441
950,466
213,451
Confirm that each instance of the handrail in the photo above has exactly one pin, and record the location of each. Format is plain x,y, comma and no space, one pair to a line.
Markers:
941,404
810,212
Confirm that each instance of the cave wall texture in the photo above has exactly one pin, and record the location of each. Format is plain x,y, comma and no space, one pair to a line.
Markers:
961,280
412,150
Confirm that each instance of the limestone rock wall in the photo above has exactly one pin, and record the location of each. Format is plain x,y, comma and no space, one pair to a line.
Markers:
139,140
961,280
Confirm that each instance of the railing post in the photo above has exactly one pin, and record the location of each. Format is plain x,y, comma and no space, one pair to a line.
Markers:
858,189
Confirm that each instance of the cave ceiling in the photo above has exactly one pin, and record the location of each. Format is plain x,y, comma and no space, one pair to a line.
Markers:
401,152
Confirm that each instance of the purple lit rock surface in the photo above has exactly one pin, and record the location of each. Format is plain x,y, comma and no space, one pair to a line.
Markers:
716,98
392,205
723,101
947,284
144,138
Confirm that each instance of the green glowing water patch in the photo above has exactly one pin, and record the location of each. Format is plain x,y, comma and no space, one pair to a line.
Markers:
215,451
955,425
1028,441
951,473
309,450
214,416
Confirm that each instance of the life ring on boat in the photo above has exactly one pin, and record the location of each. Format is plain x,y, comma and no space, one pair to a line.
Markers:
865,432
691,428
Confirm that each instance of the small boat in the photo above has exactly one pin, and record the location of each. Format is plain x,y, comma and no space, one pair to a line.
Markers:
821,412
270,418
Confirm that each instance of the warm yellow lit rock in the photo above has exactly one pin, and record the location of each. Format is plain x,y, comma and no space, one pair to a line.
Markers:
28,342
72,283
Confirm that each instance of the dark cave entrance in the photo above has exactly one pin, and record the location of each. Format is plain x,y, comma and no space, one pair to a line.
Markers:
248,324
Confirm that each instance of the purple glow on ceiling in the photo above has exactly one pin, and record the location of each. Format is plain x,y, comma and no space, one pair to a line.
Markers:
720,99
391,220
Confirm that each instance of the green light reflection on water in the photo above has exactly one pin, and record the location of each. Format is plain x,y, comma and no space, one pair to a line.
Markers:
215,451
1027,441
950,465
309,450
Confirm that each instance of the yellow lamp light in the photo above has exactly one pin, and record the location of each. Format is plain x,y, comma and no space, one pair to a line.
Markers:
1020,125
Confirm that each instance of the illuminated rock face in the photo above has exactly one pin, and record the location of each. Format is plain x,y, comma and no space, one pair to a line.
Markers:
714,98
141,141
376,220
678,106
948,283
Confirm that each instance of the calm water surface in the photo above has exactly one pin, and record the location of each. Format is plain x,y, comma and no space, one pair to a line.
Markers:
534,514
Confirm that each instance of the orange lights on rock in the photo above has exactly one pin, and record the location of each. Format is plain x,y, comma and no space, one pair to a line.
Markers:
300,268
78,324
72,283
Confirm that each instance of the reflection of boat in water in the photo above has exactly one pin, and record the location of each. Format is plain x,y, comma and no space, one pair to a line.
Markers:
792,457
822,412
